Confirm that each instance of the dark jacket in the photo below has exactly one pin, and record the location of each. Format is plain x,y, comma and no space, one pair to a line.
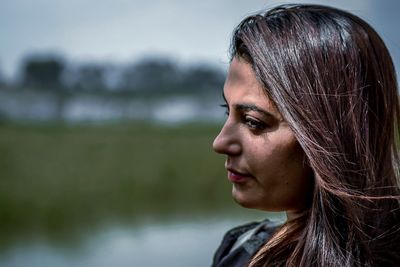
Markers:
240,256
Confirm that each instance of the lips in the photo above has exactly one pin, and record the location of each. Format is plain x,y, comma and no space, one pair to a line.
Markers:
238,177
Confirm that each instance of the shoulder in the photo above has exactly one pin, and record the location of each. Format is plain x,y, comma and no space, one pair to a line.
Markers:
239,244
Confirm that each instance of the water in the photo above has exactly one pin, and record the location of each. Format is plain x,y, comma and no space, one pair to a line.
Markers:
113,195
169,245
48,106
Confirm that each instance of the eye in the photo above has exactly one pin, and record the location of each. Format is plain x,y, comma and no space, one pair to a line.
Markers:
226,107
253,123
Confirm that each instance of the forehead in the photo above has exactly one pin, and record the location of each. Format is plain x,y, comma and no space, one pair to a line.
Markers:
240,72
242,86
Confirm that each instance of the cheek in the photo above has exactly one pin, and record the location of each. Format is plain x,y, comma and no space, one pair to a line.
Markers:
273,160
294,166
284,172
298,181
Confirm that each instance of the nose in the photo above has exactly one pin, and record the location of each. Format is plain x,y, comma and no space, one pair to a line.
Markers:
227,141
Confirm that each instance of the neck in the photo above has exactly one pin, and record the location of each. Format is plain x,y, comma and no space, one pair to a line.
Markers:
293,215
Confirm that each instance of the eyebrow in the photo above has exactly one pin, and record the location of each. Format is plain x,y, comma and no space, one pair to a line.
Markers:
252,107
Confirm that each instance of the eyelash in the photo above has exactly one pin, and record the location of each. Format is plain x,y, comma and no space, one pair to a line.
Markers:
251,123
254,124
226,107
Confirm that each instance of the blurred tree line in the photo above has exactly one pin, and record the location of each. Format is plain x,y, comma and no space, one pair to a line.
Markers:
148,75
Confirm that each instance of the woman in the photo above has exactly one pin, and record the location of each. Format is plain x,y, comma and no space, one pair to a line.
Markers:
313,113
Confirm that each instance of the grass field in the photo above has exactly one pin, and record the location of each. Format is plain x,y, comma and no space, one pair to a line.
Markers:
57,179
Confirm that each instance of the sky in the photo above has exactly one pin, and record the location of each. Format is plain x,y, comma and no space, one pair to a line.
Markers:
121,31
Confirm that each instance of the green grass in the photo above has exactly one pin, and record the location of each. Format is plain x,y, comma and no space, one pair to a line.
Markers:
58,179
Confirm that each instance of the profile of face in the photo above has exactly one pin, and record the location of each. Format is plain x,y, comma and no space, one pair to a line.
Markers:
265,163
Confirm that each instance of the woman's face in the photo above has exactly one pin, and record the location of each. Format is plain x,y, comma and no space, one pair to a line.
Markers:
264,161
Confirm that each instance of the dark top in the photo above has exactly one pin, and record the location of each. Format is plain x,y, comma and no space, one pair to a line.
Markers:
241,243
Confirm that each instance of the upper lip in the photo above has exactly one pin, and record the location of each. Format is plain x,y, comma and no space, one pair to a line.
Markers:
231,169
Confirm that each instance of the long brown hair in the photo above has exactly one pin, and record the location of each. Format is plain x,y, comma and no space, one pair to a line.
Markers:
332,78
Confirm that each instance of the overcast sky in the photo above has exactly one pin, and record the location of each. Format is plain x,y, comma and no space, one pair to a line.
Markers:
124,30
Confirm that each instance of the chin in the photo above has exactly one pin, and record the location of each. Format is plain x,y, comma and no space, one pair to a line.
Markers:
250,201
244,204
244,200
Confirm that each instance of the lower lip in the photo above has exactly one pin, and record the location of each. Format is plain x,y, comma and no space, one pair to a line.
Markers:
237,178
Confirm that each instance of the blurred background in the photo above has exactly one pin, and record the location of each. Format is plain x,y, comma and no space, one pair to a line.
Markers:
108,110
